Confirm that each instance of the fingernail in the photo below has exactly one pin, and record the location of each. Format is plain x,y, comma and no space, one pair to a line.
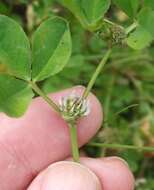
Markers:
114,158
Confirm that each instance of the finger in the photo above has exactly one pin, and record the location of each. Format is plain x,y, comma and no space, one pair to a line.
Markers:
112,173
40,137
66,175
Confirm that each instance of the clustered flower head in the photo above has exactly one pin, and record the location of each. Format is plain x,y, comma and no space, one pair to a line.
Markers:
73,107
118,34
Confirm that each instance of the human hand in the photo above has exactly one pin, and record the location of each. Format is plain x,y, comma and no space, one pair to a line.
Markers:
28,145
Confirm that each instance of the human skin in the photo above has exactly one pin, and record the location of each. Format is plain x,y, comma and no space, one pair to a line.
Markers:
28,145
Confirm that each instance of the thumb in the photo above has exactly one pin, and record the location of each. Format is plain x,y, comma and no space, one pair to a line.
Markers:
66,175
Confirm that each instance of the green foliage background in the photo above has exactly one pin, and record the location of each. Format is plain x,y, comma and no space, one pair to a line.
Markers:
125,87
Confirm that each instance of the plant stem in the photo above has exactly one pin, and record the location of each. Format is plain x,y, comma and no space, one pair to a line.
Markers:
131,28
74,142
126,108
44,96
109,22
96,73
120,146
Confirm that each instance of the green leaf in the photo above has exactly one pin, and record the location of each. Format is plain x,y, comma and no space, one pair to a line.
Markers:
149,3
139,39
75,7
14,49
94,10
51,48
146,19
89,13
130,7
15,95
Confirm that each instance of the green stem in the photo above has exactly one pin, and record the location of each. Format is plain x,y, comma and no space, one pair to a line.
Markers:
120,146
74,142
126,108
109,22
131,28
96,73
44,96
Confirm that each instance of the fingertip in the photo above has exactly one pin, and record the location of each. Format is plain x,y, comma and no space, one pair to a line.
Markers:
122,174
112,172
66,175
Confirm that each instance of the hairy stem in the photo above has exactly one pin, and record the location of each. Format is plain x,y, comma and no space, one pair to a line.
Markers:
96,73
74,142
44,96
120,146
